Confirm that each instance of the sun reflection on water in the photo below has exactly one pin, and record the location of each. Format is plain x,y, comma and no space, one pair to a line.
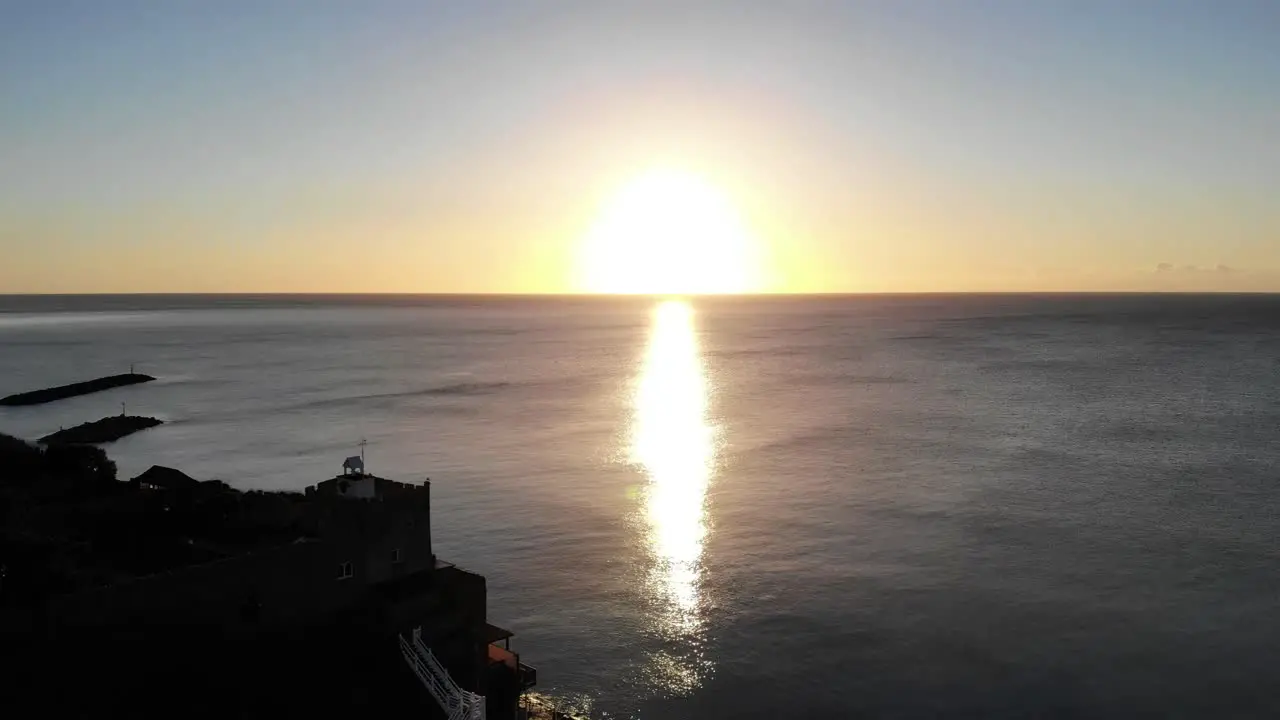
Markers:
672,440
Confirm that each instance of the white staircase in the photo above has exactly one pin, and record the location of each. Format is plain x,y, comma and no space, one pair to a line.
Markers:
458,704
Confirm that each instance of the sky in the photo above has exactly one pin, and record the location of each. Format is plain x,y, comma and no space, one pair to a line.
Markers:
895,146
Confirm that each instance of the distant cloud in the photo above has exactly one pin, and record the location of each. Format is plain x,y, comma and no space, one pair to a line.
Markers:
1173,277
1165,267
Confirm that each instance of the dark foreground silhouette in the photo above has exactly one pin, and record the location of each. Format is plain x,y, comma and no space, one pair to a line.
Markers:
169,597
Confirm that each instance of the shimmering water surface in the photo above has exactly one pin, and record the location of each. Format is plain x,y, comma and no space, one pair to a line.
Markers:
750,508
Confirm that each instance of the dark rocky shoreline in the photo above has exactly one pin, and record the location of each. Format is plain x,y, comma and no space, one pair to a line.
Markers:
62,392
108,429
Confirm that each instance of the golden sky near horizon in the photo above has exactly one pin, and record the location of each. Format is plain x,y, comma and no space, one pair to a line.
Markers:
805,149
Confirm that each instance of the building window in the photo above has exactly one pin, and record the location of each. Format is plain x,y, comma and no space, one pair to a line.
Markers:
345,571
395,556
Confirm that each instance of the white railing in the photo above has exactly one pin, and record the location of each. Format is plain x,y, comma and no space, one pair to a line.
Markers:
458,704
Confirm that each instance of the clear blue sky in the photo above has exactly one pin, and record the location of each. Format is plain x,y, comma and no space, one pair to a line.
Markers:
899,145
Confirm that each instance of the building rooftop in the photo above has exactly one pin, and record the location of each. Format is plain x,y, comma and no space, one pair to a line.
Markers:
365,486
159,476
494,634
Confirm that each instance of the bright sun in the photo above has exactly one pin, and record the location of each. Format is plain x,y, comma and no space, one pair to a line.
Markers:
669,232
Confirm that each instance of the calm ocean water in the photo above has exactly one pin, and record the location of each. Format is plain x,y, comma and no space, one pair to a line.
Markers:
759,508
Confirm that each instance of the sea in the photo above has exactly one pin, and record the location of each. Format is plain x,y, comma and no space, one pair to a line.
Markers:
764,507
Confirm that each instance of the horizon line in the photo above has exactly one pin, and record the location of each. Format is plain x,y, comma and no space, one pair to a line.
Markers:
622,296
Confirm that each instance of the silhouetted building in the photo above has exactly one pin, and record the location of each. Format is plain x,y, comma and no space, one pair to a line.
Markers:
158,477
276,604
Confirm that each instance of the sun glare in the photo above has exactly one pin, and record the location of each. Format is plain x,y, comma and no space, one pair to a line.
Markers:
675,442
669,232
